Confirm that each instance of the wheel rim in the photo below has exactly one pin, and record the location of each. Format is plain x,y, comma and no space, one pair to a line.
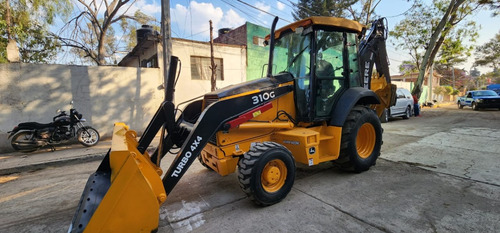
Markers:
273,175
365,141
24,141
89,136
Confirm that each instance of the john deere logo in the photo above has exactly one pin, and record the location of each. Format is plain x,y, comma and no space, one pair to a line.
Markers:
312,150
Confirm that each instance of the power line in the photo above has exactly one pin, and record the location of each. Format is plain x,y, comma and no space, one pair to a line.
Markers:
301,7
413,6
245,13
262,11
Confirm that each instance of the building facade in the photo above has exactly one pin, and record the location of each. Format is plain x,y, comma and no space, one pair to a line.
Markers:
252,36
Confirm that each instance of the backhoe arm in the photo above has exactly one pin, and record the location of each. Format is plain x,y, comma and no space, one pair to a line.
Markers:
372,51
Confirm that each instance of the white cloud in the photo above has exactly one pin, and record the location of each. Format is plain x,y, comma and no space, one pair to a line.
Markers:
194,20
232,19
148,9
280,6
263,7
262,15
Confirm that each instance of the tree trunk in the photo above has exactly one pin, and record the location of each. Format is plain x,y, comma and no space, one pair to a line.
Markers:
428,60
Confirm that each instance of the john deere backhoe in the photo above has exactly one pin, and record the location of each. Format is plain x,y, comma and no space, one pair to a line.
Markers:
318,103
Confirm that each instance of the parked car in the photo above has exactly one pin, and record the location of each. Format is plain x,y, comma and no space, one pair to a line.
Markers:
479,99
403,107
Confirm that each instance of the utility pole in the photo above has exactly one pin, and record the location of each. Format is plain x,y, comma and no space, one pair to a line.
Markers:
212,66
166,40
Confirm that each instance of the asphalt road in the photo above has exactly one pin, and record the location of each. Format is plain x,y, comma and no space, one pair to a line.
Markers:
437,173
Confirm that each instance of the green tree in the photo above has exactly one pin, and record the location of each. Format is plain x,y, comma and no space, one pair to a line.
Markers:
426,28
307,8
91,34
141,19
357,10
26,22
494,5
489,53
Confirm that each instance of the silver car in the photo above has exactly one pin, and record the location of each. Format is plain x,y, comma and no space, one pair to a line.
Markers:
403,107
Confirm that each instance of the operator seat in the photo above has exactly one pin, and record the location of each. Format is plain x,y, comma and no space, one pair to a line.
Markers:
325,75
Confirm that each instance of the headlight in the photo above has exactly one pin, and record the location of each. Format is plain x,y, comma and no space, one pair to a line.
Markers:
479,100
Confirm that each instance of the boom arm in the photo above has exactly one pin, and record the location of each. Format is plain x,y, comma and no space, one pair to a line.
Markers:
372,50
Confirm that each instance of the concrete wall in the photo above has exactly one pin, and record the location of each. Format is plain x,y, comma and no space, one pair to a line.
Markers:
234,66
104,95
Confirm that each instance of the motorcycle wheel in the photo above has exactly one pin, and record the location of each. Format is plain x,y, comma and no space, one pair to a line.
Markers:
24,142
88,136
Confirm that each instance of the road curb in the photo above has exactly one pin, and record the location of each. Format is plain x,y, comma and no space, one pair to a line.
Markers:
53,163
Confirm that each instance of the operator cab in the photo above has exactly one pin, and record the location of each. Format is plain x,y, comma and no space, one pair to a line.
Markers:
322,55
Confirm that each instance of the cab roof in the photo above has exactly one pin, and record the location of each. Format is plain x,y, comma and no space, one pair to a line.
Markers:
346,24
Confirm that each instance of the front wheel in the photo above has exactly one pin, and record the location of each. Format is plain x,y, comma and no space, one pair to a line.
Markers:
407,113
474,106
88,136
361,140
460,106
266,173
24,141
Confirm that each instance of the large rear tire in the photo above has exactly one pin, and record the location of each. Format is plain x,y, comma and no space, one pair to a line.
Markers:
24,141
361,140
266,173
88,136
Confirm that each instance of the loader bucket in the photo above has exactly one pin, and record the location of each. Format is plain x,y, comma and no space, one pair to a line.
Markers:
124,194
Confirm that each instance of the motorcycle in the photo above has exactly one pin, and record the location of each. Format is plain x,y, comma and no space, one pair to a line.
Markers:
30,136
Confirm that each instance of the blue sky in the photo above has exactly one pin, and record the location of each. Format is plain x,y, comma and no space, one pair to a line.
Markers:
189,19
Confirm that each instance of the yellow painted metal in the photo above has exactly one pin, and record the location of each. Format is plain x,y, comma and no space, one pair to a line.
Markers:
385,91
133,200
365,140
273,176
341,23
312,145
224,159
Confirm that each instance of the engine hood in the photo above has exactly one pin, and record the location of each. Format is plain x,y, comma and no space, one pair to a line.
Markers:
257,84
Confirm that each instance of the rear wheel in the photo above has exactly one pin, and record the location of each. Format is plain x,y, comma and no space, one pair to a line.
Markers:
266,173
385,116
361,140
88,136
24,141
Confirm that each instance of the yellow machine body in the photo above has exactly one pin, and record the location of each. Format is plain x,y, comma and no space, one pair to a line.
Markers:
309,145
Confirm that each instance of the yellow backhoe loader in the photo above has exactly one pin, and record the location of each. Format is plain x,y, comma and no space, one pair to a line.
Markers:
318,103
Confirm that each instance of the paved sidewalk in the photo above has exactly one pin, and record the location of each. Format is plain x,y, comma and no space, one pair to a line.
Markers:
16,162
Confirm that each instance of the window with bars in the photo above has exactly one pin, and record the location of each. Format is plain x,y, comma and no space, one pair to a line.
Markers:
200,68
